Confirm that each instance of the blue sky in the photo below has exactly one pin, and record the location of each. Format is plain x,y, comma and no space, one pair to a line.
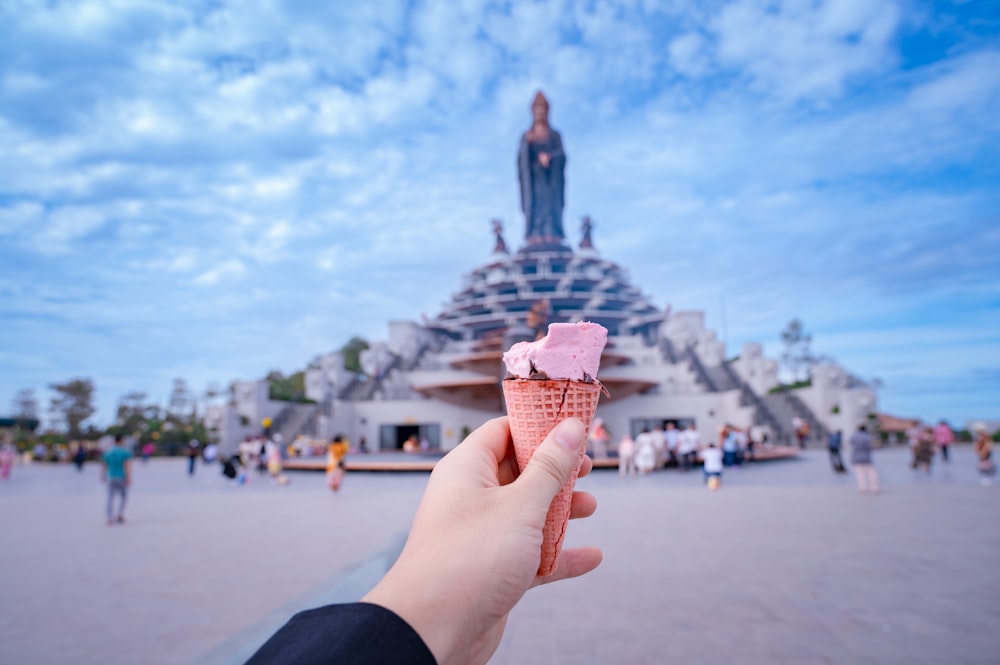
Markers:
211,190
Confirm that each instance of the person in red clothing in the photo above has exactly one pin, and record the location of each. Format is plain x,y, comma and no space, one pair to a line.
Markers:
943,437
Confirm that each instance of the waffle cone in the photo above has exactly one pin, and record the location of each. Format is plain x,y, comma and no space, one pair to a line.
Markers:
534,409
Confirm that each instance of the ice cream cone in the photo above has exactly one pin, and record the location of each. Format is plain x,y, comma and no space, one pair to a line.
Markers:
534,408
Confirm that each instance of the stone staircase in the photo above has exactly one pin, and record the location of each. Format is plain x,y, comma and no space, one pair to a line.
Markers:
775,411
785,406
292,420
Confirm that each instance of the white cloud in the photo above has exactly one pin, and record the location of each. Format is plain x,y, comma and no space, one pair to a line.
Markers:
688,55
226,270
18,215
804,50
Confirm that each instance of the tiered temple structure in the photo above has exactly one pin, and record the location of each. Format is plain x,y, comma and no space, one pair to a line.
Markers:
441,378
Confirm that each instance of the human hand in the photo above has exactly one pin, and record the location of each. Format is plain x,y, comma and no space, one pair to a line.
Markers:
543,159
475,544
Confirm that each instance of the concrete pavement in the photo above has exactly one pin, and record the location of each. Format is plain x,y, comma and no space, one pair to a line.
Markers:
786,564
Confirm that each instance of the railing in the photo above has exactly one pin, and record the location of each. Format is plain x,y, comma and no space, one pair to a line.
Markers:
694,362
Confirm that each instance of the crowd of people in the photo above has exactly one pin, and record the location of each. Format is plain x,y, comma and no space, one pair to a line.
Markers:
667,445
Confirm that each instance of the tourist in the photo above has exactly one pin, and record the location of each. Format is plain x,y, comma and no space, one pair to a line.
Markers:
192,455
211,453
712,463
671,437
273,459
861,459
79,454
479,522
599,439
659,439
260,450
147,451
626,456
335,467
730,445
688,445
923,452
117,473
7,456
984,457
833,444
943,438
645,455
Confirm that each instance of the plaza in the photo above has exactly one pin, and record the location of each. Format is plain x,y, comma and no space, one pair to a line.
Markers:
786,564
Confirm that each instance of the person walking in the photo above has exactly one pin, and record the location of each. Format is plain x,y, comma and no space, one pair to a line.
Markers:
861,459
192,455
8,453
336,452
117,473
833,444
626,456
943,438
923,453
984,456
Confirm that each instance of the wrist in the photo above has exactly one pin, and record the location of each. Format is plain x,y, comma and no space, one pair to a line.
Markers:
425,611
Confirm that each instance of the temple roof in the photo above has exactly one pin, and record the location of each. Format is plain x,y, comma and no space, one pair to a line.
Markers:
498,295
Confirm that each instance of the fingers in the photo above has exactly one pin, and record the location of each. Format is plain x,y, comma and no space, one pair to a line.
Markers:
573,563
584,504
489,443
551,465
586,467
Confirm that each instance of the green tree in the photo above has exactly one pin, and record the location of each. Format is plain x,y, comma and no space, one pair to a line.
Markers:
797,356
134,414
181,404
73,404
352,354
25,406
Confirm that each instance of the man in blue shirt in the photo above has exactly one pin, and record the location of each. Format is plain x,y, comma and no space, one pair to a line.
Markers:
117,473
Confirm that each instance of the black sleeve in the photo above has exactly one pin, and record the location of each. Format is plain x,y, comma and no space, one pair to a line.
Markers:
349,634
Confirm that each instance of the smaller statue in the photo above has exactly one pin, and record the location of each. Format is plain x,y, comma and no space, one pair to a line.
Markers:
538,318
500,246
588,225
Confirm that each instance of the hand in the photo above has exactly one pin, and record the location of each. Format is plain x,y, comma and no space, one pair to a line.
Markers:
475,544
544,159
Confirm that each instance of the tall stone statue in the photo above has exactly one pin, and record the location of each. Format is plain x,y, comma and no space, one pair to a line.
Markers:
541,163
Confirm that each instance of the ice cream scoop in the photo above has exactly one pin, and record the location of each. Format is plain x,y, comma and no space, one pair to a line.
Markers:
568,351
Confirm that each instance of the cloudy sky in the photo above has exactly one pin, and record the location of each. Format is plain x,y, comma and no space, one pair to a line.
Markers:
210,190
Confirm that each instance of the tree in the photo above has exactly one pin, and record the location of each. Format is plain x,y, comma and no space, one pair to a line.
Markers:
73,404
181,403
352,354
25,406
797,356
134,414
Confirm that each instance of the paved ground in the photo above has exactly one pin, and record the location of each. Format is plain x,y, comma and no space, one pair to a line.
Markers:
786,564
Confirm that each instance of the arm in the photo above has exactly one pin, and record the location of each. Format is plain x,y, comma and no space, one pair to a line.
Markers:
128,472
474,548
472,553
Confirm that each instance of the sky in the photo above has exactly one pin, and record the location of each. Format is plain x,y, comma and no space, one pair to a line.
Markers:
211,190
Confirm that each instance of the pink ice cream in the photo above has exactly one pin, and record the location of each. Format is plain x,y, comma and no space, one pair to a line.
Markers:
569,351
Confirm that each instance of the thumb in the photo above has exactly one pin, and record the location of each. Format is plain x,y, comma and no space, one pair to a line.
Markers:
552,464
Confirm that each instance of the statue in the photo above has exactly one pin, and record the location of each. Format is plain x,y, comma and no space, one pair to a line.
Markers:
500,247
540,166
588,226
